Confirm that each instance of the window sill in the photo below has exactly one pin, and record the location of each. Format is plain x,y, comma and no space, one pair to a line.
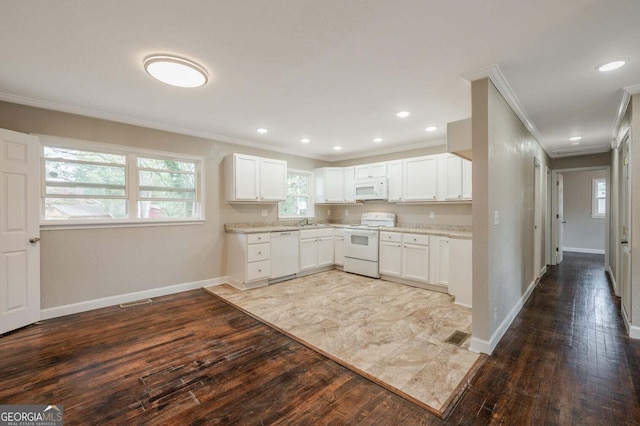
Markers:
66,225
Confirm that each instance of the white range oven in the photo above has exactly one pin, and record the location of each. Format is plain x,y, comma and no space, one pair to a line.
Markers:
361,243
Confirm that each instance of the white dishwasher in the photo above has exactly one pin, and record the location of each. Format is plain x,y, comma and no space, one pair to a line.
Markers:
284,256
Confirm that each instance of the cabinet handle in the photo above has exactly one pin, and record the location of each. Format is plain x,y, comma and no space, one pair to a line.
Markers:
256,198
259,270
259,252
415,239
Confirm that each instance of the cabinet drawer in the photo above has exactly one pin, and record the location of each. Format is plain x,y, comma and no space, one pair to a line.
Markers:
422,240
393,237
256,252
258,270
258,238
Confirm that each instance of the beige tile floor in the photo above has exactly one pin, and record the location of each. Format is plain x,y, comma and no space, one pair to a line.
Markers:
393,332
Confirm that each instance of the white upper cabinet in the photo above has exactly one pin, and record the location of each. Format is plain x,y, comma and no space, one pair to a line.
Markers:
334,185
420,178
456,174
394,170
373,170
255,179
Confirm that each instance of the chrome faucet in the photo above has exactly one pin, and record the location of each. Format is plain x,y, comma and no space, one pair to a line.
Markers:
303,221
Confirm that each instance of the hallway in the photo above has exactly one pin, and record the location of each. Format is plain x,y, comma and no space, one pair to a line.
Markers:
566,358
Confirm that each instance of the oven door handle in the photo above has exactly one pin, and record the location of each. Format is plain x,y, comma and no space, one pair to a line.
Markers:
361,232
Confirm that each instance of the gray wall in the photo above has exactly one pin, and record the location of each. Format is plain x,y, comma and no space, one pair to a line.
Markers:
87,264
582,231
504,153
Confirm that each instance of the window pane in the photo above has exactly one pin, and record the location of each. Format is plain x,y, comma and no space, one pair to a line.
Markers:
294,206
602,207
297,184
185,195
84,208
60,171
166,209
78,190
167,179
154,163
74,154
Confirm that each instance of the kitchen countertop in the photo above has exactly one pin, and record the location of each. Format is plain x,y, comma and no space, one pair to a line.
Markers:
457,232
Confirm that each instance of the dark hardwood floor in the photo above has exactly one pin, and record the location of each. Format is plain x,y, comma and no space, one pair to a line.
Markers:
190,358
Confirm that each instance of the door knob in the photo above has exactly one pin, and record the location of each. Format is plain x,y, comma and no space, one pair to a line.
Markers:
34,240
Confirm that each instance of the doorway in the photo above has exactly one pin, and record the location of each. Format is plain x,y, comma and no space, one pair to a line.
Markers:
579,211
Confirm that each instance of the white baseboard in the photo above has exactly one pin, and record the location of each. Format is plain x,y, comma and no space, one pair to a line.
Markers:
543,271
89,305
634,332
487,347
614,283
583,250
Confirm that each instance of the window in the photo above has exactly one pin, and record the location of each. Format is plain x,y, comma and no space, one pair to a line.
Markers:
599,198
299,202
91,183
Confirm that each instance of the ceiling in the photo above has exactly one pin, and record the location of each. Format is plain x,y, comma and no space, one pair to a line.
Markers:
334,71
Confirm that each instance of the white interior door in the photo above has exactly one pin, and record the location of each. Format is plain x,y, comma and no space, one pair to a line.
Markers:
19,230
625,231
559,217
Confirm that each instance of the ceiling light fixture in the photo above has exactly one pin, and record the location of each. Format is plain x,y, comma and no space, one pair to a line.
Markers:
337,147
402,114
575,143
610,66
431,129
575,138
262,130
175,71
377,140
305,140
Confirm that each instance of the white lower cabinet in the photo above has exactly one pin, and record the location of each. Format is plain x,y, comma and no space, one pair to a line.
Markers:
338,246
316,249
405,256
248,260
439,260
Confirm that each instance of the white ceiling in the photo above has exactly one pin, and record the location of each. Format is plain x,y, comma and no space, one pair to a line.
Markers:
335,71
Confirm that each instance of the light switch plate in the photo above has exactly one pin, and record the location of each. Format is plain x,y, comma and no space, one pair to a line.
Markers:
432,215
265,213
496,217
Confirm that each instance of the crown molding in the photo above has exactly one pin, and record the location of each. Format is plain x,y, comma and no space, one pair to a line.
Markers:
633,90
87,112
390,150
498,79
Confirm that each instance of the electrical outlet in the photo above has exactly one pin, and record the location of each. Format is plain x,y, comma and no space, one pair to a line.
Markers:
328,212
496,217
432,215
346,212
265,213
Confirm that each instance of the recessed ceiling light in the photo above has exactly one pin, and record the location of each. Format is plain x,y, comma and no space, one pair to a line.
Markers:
175,71
261,130
377,140
305,140
610,66
575,138
431,129
337,147
403,114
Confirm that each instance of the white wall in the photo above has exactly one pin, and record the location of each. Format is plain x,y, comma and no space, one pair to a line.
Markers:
582,232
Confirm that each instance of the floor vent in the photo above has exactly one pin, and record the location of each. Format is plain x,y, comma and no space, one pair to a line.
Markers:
135,303
457,338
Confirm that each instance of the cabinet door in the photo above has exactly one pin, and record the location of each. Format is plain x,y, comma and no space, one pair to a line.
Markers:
333,185
395,180
439,261
325,251
349,178
246,177
308,254
338,250
378,170
273,180
420,178
467,173
415,262
391,258
453,167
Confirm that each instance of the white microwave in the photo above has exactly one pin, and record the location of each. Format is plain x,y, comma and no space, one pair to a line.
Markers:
370,189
